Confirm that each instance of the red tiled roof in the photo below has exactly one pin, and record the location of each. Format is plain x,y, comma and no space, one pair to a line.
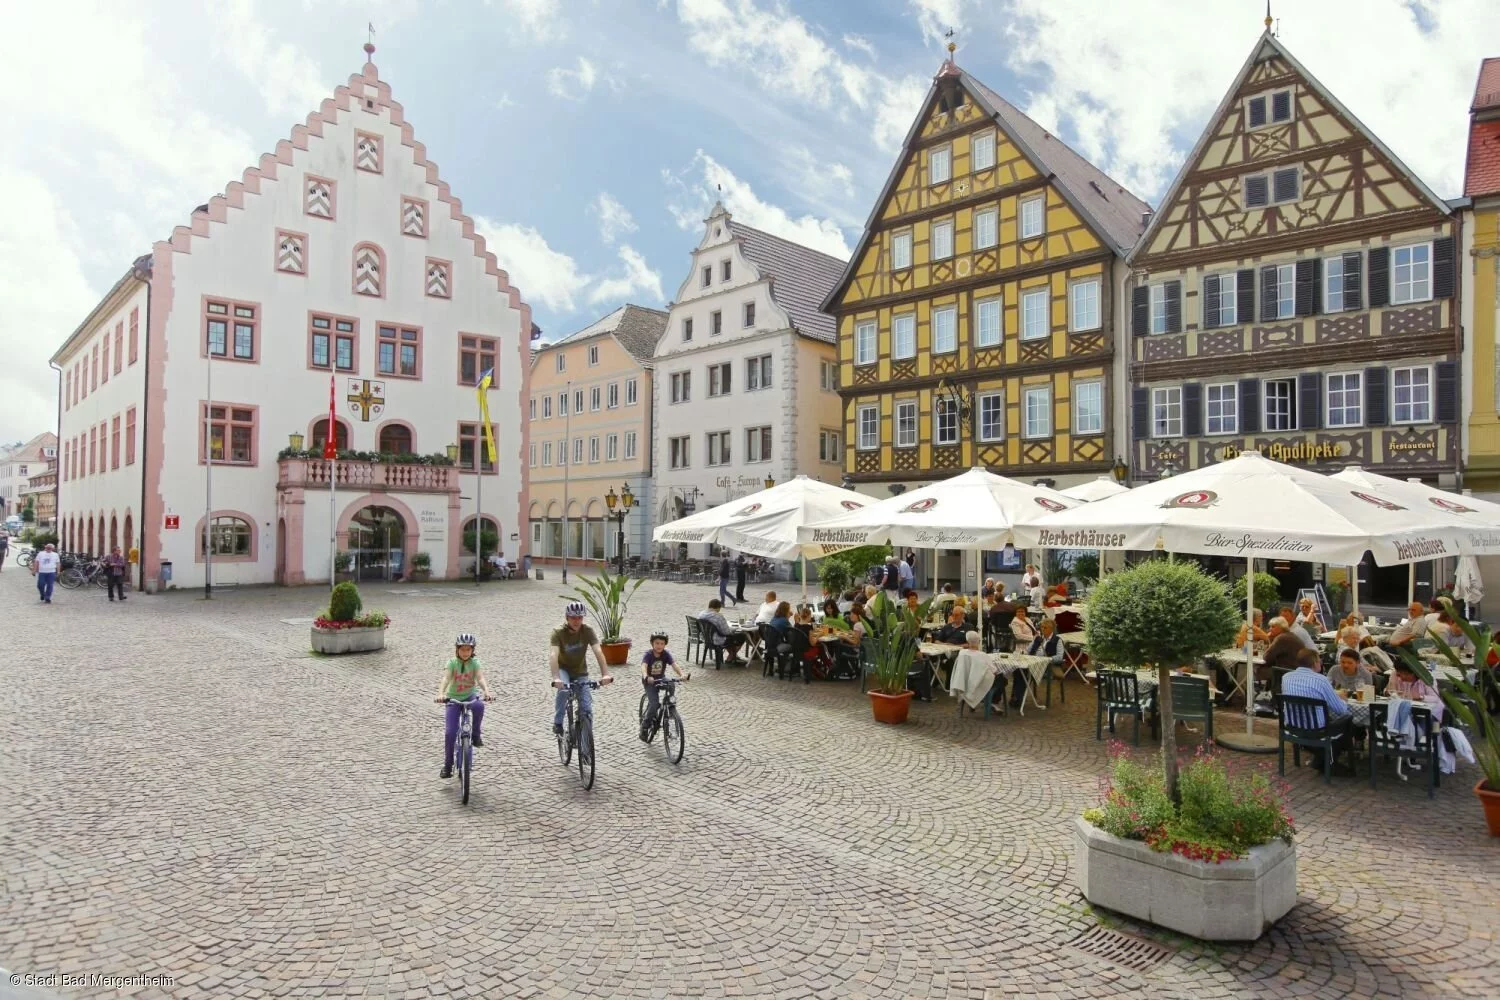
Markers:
1482,176
1487,90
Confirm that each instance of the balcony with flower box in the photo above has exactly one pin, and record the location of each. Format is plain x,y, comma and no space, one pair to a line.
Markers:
366,472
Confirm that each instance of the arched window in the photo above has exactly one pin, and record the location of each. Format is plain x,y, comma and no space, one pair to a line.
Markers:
320,435
114,532
88,542
228,536
129,534
490,526
395,439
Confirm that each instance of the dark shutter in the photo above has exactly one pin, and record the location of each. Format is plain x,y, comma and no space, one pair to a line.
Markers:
1310,400
1210,301
1249,406
1140,311
1268,293
1257,112
1444,268
1281,106
1307,286
1192,409
1446,411
1380,276
1377,397
1354,286
1257,192
1174,306
1284,185
1140,413
1245,289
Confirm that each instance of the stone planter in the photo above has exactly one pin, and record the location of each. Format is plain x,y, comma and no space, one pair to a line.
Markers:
1229,901
419,576
348,640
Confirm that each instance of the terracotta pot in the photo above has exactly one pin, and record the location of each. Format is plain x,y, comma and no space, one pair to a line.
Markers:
890,708
1490,799
616,653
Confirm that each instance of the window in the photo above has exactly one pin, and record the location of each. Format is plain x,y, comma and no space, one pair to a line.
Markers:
828,376
562,452
1166,412
1333,284
93,450
987,331
631,392
1278,395
562,361
1284,302
718,448
630,444
612,396
945,430
594,448
726,268
906,424
562,404
1220,303
1088,407
1083,305
757,444
231,435
476,355
719,377
1034,314
578,451
135,315
1257,192
612,447
400,352
105,339
227,536
1412,395
904,336
687,328
1345,399
1032,223
532,409
828,446
715,323
532,460
94,378
708,275
901,251
395,439
320,435
1222,408
546,407
577,400
1278,187
546,454
1278,103
682,387
678,447
942,239
749,314
758,372
130,436
982,151
986,228
991,416
332,343
1038,412
220,318
864,343
119,347
1412,267
1256,107
596,398
1158,299
114,444
471,446
939,164
869,427
593,355
944,330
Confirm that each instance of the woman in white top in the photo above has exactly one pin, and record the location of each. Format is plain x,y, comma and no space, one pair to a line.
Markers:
767,610
1022,629
1308,617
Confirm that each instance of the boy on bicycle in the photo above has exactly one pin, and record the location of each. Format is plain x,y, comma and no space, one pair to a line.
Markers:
653,668
571,644
455,689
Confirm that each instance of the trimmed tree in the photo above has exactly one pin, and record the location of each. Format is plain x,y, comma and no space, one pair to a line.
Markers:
1267,593
1163,615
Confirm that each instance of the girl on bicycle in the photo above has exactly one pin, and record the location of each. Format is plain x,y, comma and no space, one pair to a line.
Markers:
455,688
653,668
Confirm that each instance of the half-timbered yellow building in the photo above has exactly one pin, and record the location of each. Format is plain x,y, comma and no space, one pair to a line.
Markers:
976,317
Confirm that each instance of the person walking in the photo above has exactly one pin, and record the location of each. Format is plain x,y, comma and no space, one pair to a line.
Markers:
46,565
114,568
4,546
741,569
724,567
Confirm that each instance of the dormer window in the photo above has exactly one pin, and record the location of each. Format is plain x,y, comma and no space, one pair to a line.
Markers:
1269,109
708,275
726,268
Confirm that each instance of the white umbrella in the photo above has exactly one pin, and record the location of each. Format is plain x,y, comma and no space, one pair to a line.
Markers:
1095,489
1468,586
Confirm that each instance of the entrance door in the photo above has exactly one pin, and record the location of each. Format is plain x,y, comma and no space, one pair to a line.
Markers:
377,541
281,552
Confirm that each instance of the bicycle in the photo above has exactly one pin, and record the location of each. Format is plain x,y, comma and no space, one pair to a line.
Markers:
667,719
82,574
463,750
580,735
24,559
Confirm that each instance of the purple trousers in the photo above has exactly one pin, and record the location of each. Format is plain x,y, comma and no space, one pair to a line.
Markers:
450,731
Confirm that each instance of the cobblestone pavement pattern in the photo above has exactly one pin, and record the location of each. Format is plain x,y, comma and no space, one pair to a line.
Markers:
186,791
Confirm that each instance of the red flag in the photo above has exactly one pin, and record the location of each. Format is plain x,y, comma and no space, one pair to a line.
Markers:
331,445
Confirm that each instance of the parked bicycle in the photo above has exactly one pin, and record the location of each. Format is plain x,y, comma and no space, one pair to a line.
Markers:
83,573
578,732
463,752
24,559
673,737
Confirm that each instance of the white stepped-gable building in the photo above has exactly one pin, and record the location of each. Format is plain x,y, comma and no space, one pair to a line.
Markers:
343,255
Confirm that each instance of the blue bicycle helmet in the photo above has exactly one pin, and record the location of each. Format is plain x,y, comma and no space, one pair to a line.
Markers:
575,609
465,639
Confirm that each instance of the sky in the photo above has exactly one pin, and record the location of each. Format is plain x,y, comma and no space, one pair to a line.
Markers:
589,138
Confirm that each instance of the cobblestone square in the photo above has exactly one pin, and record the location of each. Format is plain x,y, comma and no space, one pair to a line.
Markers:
186,791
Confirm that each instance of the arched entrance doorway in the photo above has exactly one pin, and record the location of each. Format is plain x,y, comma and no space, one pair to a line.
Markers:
377,543
281,552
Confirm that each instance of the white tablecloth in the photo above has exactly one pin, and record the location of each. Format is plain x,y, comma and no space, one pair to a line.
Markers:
974,672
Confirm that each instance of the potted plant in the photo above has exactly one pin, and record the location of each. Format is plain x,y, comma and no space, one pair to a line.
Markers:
1470,702
607,596
1267,594
343,567
340,628
1336,592
892,630
488,543
421,567
835,575
1086,568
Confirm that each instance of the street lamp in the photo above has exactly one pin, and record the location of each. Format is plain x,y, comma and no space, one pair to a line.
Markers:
847,482
452,454
1121,471
619,509
294,440
770,481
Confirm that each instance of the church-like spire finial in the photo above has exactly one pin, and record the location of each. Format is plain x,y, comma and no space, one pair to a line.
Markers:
370,41
952,45
1269,20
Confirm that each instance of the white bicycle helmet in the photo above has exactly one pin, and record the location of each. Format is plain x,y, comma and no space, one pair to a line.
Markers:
575,609
465,639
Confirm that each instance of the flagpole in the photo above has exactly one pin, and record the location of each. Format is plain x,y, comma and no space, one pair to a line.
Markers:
479,455
330,452
208,497
567,474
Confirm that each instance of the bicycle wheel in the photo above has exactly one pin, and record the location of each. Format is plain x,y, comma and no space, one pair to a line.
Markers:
640,714
70,579
100,580
586,751
565,738
465,765
673,738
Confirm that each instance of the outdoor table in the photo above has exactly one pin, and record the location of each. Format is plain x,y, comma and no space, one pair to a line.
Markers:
1036,668
751,632
1237,657
939,652
1082,610
973,677
1076,638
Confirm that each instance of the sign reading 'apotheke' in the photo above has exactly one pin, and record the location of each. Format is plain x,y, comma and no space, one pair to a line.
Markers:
1308,451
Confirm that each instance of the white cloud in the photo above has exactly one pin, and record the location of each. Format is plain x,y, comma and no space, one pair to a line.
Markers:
541,19
638,278
614,218
572,84
937,17
822,181
695,188
553,280
898,107
504,102
1135,84
290,82
861,43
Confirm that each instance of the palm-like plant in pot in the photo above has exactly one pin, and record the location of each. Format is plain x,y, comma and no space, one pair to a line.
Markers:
607,596
893,632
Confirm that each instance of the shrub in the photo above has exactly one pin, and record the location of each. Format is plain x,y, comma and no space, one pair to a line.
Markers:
1267,593
43,540
1086,567
834,574
422,560
487,538
344,603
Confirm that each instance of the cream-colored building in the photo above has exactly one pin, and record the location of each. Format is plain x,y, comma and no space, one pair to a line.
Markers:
590,434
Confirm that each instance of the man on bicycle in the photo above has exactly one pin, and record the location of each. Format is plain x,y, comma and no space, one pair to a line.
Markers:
571,644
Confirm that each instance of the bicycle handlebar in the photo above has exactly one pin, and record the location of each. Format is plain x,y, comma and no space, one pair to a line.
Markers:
583,682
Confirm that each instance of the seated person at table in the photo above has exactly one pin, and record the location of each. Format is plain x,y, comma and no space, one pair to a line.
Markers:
767,610
1297,628
912,601
1022,629
946,596
782,617
1038,597
856,617
1348,639
1058,596
1308,617
720,634
804,617
1352,620
1452,636
832,619
1000,607
1260,633
989,587
956,632
1281,652
1406,684
1377,659
1414,628
971,641
1046,642
1351,673
1307,681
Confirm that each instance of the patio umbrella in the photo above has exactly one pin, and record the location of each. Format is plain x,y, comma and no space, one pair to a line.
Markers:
1468,586
1095,489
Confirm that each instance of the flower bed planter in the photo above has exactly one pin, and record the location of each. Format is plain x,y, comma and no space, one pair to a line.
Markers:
348,640
1226,901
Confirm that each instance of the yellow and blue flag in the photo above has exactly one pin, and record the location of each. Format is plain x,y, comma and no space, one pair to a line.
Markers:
485,381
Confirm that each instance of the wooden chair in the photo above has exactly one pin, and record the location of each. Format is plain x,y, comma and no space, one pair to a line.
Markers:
1384,743
1191,702
1304,722
1120,694
695,638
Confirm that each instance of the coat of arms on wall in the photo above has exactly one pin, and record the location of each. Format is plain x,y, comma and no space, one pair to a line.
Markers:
366,398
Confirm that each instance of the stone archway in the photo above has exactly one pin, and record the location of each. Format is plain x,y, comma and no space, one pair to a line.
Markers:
391,529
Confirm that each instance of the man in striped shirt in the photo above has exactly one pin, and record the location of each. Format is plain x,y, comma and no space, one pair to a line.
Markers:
1308,681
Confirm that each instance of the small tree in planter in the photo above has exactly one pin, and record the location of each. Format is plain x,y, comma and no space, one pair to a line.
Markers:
835,575
421,567
489,542
343,566
893,631
1267,594
340,628
607,597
